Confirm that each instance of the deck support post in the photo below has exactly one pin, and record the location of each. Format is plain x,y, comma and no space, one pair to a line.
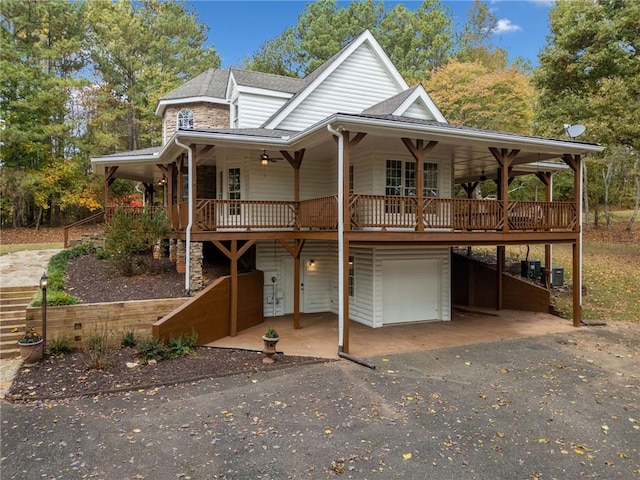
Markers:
296,162
576,165
500,253
109,178
295,252
233,254
547,180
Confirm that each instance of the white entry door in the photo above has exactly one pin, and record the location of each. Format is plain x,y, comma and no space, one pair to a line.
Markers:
411,290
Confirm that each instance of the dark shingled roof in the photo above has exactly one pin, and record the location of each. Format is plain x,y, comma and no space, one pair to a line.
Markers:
268,81
388,106
211,83
248,132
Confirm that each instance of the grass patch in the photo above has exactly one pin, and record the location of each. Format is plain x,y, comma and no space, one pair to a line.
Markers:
21,247
610,273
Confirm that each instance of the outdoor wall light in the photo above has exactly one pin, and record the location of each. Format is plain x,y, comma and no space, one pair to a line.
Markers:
44,283
312,263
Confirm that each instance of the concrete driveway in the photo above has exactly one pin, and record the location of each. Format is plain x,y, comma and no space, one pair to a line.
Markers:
559,406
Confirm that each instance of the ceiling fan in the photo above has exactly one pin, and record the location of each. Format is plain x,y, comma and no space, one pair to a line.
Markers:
265,158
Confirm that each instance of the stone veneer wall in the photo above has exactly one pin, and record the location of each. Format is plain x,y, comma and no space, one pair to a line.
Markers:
195,272
205,115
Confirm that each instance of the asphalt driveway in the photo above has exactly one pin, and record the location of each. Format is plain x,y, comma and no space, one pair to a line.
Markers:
562,406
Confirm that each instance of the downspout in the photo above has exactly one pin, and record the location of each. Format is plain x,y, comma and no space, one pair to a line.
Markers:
338,133
187,266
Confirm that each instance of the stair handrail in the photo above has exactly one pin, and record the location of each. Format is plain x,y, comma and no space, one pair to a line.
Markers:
77,224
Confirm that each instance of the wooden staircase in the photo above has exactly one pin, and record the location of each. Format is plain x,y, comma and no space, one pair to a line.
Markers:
13,305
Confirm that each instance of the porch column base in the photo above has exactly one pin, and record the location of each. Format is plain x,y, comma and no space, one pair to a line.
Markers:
195,271
181,256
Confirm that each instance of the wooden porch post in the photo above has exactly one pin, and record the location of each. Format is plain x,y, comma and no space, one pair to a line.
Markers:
500,271
504,158
345,293
194,197
295,252
296,162
418,151
574,162
469,188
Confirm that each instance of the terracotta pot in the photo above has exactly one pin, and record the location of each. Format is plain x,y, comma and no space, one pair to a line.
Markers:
269,348
31,353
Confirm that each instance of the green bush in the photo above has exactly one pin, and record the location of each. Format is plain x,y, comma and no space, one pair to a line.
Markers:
182,345
58,347
57,272
128,339
151,349
130,239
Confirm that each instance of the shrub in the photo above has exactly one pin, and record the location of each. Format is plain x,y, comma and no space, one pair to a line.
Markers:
151,349
128,339
95,348
58,346
130,238
182,345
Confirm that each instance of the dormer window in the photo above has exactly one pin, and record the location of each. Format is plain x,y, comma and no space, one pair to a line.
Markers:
185,119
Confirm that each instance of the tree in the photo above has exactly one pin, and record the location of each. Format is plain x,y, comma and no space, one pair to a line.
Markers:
470,94
590,73
139,52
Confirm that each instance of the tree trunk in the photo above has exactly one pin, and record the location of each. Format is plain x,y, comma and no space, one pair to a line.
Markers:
637,194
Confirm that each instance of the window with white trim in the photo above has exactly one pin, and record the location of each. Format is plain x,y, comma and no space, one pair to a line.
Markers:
234,191
185,119
235,113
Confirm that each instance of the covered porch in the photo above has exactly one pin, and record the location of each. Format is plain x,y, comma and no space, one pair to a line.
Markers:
318,333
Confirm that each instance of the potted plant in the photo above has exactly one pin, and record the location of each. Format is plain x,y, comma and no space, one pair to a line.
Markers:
31,347
270,338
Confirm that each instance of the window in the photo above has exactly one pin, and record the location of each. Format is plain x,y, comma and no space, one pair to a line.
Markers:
352,276
234,191
401,182
185,119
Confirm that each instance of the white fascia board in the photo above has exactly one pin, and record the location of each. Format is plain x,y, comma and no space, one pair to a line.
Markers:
492,139
367,37
420,94
232,85
98,163
162,104
263,91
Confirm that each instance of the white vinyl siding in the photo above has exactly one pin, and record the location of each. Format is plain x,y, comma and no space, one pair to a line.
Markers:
256,109
358,83
417,111
275,261
361,304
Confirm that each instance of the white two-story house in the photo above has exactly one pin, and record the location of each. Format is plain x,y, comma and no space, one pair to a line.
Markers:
339,188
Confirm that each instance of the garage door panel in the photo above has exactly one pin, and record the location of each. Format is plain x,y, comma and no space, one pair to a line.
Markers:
411,290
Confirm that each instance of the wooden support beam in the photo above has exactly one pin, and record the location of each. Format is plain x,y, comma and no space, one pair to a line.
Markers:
204,150
418,151
504,157
233,327
500,262
109,178
469,188
577,284
295,251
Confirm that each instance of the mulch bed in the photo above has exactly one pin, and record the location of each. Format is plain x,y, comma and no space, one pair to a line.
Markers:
69,375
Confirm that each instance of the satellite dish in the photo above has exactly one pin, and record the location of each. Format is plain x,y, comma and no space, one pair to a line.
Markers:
574,131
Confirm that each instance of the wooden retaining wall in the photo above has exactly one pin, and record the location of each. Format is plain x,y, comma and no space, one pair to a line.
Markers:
474,284
208,314
75,322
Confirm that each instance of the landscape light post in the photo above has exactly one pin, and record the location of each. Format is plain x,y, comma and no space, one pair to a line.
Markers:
44,282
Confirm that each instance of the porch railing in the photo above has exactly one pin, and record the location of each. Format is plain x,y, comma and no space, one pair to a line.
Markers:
370,212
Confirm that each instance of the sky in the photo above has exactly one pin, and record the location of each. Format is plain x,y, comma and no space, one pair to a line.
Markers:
238,28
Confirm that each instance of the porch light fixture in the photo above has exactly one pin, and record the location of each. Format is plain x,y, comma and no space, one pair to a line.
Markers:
44,283
483,177
163,181
312,263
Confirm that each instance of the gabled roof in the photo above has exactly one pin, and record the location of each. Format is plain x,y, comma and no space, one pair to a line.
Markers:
400,103
315,78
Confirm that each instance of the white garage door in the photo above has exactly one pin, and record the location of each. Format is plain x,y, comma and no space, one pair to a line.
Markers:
411,290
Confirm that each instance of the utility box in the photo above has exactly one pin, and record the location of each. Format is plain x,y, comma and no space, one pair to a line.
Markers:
557,276
530,268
